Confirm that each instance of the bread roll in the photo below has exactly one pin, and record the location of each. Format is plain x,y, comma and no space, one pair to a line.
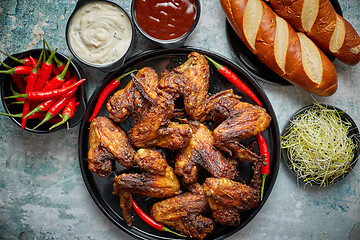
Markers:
290,54
319,20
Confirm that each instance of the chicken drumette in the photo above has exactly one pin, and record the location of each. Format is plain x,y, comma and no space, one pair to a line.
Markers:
108,143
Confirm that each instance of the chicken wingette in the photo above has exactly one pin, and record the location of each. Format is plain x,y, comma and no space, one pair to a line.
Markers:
108,143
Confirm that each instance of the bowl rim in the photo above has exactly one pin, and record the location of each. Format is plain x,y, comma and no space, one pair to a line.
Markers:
354,131
108,67
81,109
171,43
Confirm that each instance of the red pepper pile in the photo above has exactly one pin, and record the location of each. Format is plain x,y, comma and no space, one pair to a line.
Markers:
45,86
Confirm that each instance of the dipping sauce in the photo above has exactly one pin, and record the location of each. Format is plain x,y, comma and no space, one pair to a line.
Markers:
99,33
165,19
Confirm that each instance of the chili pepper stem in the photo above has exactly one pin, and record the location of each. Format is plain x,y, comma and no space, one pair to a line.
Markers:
19,115
165,229
35,110
47,117
217,65
65,118
22,61
262,186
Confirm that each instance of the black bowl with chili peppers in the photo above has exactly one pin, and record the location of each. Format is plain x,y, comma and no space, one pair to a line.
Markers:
12,85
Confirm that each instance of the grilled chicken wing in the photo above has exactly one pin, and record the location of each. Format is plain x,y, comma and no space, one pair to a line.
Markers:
227,197
190,80
236,121
154,127
183,213
157,180
201,153
129,101
108,142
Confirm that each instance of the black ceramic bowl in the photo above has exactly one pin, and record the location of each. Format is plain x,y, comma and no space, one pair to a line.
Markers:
105,67
11,108
173,43
353,134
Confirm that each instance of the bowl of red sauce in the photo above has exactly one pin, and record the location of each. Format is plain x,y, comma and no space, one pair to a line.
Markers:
166,22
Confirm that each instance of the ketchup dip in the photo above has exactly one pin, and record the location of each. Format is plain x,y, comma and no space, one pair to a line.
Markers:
99,33
165,19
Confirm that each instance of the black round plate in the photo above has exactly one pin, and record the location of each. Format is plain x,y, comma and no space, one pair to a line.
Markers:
101,188
251,62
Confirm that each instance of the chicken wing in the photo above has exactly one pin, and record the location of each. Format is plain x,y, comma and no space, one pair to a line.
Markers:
129,101
201,153
183,213
157,179
154,127
227,197
190,80
108,142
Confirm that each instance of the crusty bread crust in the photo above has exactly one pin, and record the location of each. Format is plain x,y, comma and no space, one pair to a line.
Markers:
264,48
328,27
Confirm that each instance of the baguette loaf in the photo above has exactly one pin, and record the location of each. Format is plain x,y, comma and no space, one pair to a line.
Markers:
290,54
320,22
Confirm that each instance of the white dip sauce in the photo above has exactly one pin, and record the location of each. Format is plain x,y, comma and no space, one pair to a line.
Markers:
99,33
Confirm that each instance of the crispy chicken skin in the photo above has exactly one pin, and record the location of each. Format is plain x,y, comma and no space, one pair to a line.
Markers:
227,197
157,179
183,213
154,128
108,142
190,80
201,153
128,101
126,205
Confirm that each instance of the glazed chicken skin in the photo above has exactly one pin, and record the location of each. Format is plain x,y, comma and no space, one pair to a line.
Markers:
227,198
191,81
201,153
108,143
156,180
184,213
129,101
154,128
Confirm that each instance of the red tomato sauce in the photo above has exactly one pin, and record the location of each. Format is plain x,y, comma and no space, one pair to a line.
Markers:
165,19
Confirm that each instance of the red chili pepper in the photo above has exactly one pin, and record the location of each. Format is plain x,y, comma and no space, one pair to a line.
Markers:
151,221
45,72
59,64
67,113
24,61
43,96
105,93
57,81
19,70
30,86
265,169
230,76
45,105
19,82
56,108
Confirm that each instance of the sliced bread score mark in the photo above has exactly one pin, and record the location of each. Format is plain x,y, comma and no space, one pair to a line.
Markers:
251,21
338,36
309,14
311,58
281,42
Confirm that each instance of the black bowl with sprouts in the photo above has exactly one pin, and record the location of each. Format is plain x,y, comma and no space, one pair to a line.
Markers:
320,144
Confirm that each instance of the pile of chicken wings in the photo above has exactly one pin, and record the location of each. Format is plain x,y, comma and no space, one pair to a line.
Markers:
197,189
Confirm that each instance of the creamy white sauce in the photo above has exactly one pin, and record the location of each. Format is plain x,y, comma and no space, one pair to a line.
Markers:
100,33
